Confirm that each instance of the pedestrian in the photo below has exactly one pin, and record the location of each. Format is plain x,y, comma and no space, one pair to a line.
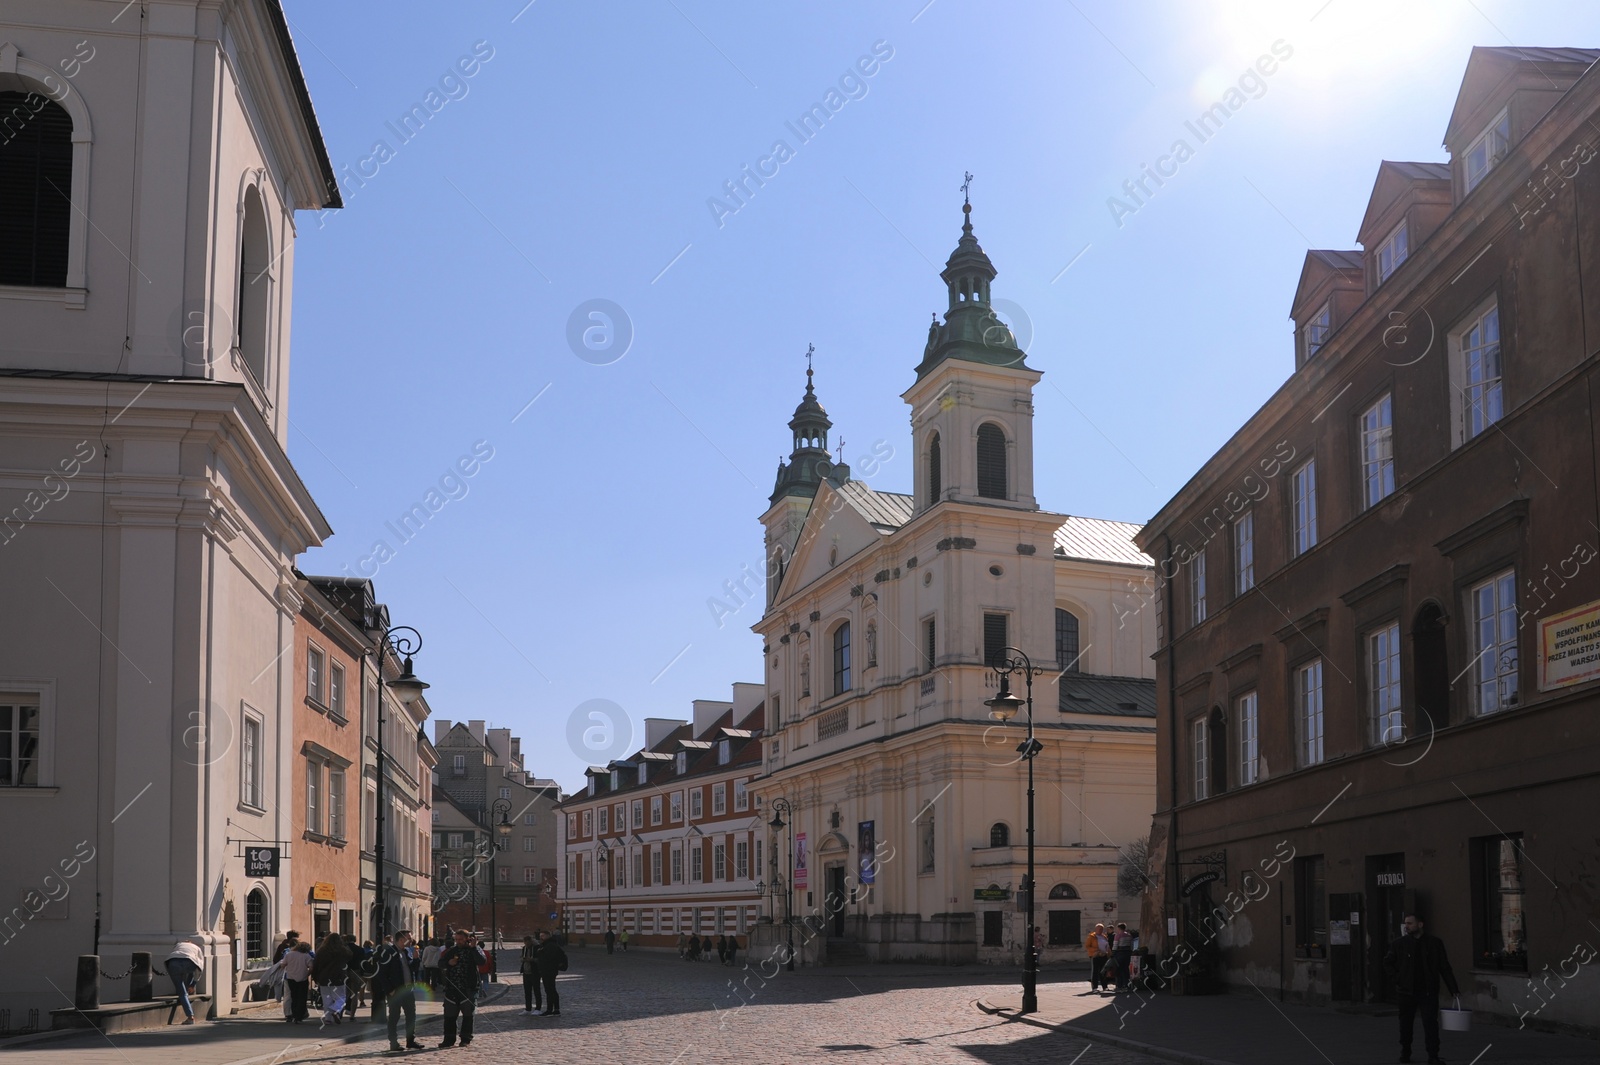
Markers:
733,950
458,971
297,974
183,965
694,947
623,939
1098,948
1121,955
330,968
552,960
355,985
1417,962
394,983
722,950
529,967
430,964
683,946
611,941
290,938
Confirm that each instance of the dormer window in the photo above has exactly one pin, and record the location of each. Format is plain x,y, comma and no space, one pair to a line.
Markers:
683,762
1317,330
1490,147
644,772
591,786
724,750
616,779
1392,252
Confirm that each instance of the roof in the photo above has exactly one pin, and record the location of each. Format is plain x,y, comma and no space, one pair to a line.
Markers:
1489,68
1338,260
1100,540
1420,171
886,511
1083,693
308,114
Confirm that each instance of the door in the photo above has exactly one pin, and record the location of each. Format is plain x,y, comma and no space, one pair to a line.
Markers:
1066,928
1345,948
1386,909
993,928
836,899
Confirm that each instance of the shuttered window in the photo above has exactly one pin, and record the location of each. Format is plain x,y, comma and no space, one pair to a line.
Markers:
930,644
994,639
991,462
935,484
1066,642
35,190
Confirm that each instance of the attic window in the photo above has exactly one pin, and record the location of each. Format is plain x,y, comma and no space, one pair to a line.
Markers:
1317,330
1490,147
1392,252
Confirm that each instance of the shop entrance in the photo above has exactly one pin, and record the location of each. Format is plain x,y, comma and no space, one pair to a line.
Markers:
1388,898
836,899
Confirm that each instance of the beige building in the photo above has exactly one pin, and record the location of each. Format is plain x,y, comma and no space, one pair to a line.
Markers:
884,614
149,515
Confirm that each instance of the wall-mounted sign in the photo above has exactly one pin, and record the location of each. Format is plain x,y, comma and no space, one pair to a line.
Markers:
991,894
1391,880
801,877
321,892
261,861
1194,883
867,850
1338,933
1569,647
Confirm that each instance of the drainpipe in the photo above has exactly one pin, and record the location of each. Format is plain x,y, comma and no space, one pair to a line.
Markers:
1172,731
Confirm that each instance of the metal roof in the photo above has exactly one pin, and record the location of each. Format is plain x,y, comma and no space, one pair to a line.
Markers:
1100,540
1339,260
886,510
1083,693
1420,171
1545,55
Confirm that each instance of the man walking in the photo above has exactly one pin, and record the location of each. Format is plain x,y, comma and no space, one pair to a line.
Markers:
551,960
394,982
1098,947
529,967
1121,955
458,972
1417,962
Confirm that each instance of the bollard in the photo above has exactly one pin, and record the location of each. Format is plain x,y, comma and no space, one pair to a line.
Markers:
88,991
139,989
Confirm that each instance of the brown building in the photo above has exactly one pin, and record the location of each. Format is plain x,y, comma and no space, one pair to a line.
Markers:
1379,625
668,841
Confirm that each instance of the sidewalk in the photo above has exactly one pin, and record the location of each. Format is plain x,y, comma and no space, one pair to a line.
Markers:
252,1037
1250,1028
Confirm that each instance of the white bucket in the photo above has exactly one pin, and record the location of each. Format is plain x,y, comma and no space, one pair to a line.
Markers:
1455,1019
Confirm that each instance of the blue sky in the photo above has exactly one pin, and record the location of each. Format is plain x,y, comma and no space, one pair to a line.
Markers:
580,160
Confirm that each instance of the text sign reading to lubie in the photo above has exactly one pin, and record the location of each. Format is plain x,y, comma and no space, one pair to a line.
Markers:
261,861
1569,647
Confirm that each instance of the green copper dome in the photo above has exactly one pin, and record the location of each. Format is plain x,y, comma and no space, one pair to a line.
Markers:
971,330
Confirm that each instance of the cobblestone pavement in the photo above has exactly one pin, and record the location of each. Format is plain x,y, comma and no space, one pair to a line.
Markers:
652,1009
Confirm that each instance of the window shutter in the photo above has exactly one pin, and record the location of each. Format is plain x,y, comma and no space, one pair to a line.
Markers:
35,191
935,484
991,462
994,638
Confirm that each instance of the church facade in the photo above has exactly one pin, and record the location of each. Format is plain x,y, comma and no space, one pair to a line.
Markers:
905,836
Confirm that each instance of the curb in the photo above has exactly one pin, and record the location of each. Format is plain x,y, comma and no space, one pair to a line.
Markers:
1121,1042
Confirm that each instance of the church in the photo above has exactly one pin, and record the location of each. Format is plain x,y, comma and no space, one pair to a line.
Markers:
902,804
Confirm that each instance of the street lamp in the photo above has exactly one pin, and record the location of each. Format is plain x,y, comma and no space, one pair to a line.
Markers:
408,689
1004,707
499,813
604,858
780,806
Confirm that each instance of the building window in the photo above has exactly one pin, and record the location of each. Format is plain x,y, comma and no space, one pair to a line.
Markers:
1377,451
1197,587
682,763
638,868
996,636
1494,643
935,484
719,799
677,806
527,844
336,691
1244,552
655,809
638,813
1066,928
36,174
841,659
314,797
725,745
991,462
999,834
572,826
588,823
458,765
930,644
1303,500
1383,685
255,925
250,758
741,859
1068,656
530,874
505,793
1217,750
697,804
1317,330
655,865
719,860
1392,252
1308,711
1202,764
741,795
644,773
1477,393
315,682
502,874
1249,738
456,840
677,864
605,820
530,819
1490,147
336,803
1310,908
925,851
253,309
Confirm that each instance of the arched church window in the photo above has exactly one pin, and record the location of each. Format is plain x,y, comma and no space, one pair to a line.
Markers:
35,190
999,834
1067,655
1063,891
255,286
841,659
935,487
991,461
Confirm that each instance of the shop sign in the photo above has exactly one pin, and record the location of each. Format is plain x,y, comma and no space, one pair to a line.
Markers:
260,861
1391,880
1569,647
321,892
991,894
1194,883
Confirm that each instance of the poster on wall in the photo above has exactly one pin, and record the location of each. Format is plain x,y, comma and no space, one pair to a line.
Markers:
867,844
800,877
1569,647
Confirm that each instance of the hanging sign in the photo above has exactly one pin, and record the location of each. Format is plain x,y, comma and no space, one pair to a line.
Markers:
801,877
261,861
1194,883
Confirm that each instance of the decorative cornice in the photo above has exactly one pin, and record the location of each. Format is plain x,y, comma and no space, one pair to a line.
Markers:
1512,512
956,543
1395,574
1233,662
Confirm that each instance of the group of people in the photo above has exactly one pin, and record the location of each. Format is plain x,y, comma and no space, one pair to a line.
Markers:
613,940
698,948
1111,957
542,959
334,967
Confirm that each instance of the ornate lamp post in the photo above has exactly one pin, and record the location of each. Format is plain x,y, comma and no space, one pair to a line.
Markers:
1004,707
500,815
780,806
603,856
408,689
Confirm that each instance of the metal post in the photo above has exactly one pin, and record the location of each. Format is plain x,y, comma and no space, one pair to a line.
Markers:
140,983
1030,969
379,1007
87,993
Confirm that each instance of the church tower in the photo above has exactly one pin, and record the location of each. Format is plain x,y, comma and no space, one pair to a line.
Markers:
972,403
797,481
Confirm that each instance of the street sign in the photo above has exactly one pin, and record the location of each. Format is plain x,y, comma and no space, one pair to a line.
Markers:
990,894
261,861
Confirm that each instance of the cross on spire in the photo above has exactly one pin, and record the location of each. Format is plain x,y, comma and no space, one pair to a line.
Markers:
840,448
966,187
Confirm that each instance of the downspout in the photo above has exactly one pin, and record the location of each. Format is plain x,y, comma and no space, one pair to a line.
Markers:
1172,729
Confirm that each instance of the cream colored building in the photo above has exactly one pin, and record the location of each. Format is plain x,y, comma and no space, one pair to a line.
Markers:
883,613
149,515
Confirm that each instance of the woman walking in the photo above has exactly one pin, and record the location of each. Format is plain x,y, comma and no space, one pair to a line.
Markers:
331,970
183,964
297,974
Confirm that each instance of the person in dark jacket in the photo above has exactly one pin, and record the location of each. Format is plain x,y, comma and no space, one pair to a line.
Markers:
552,960
458,973
331,971
1417,962
532,1001
290,938
395,983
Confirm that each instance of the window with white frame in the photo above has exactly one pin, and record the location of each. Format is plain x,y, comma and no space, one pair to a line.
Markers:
505,793
572,826
588,873
1197,587
697,804
456,840
696,863
530,874
1249,732
336,690
1202,763
644,772
1488,149
719,859
677,863
741,859
588,822
250,768
655,865
313,796
683,762
1244,552
1377,451
1494,643
638,813
458,765
1383,685
1393,251
1308,711
572,874
316,680
605,820
719,799
741,795
1477,394
530,819
1303,503
724,751
655,809
619,815
1317,330
527,844
336,803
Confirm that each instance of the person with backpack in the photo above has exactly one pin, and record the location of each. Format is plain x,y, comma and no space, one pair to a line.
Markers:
551,960
459,975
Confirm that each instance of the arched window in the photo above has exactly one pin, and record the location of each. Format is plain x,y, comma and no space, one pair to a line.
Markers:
935,485
35,190
1063,891
1067,640
991,461
255,287
1000,834
841,659
255,924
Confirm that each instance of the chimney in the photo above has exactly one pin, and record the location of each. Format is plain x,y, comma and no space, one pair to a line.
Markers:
746,697
657,729
476,728
441,729
706,712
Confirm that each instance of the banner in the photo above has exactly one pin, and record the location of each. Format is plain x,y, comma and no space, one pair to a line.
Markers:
800,878
867,850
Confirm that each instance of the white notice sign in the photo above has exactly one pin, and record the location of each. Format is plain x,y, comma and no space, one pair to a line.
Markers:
1569,647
